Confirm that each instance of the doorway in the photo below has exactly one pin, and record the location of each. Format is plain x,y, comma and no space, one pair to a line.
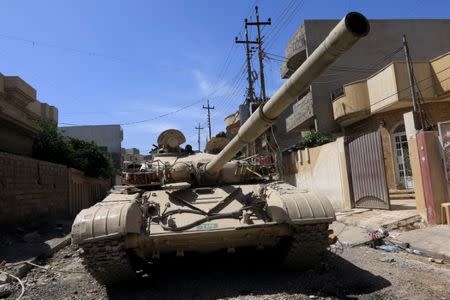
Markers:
402,164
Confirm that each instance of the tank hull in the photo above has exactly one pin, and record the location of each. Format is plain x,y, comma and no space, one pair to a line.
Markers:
120,215
119,222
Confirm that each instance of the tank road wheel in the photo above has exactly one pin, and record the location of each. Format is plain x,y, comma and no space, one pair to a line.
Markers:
305,248
108,262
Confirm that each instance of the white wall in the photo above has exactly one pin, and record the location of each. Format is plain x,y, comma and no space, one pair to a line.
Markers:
323,169
109,136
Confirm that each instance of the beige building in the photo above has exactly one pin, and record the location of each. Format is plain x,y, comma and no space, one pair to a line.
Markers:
428,38
130,156
379,102
19,110
382,158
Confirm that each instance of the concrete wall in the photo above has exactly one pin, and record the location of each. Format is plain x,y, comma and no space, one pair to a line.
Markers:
34,191
321,169
84,191
427,40
413,150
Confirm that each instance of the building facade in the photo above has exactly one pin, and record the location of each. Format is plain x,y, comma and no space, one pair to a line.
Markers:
131,155
379,103
314,107
19,112
108,137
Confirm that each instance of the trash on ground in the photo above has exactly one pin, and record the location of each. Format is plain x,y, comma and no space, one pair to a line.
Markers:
388,259
436,260
380,240
389,248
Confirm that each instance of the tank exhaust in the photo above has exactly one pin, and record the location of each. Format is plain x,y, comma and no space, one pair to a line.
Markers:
347,32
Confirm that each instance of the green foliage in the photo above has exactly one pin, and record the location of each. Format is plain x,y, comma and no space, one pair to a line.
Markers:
52,146
314,139
91,159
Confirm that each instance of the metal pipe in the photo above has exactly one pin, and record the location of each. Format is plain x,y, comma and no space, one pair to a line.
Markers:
346,33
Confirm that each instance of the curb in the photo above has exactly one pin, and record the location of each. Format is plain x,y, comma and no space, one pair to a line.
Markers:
20,269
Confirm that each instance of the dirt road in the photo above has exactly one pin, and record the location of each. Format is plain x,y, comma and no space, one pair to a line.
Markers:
357,273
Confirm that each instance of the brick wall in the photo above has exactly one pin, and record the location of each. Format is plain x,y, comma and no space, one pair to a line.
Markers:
33,190
85,191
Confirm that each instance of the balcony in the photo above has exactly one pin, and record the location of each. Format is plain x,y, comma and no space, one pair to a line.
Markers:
19,92
295,53
389,89
441,69
302,117
353,105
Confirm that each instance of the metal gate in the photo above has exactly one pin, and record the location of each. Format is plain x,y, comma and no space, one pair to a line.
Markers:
367,171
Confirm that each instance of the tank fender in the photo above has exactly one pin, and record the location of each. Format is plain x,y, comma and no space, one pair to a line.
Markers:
107,219
287,204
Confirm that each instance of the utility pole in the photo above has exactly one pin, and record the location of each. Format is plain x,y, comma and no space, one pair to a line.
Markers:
209,116
198,131
260,50
416,106
250,90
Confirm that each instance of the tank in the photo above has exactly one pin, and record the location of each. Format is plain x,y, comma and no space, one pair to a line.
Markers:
205,202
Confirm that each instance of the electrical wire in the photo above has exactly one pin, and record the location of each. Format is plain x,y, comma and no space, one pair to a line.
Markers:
22,286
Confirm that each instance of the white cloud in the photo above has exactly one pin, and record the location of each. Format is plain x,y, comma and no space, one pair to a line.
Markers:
207,87
204,85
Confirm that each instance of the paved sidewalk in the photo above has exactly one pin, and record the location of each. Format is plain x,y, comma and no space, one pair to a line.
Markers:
433,241
352,228
403,214
349,235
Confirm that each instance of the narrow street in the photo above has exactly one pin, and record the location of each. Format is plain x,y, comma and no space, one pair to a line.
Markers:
248,149
357,273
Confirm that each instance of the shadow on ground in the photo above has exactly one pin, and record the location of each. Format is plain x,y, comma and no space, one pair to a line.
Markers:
27,241
219,276
402,206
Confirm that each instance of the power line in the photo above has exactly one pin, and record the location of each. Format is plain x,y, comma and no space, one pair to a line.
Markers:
250,91
293,12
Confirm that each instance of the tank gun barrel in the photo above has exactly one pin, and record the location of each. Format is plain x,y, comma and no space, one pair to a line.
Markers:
346,33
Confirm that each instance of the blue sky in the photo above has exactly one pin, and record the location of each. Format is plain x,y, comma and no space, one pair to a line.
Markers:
116,62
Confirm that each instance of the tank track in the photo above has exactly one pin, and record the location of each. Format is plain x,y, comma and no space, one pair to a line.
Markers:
107,261
306,247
